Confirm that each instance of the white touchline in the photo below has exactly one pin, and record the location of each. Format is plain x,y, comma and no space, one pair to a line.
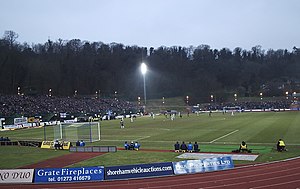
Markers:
224,136
142,138
164,141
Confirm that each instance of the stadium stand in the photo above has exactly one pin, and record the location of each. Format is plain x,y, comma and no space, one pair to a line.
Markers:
278,104
36,105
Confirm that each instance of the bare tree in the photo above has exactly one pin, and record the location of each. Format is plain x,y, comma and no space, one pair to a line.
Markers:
10,37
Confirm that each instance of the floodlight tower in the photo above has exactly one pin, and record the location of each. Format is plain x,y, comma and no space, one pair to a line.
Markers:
144,71
287,95
19,89
235,97
261,95
50,92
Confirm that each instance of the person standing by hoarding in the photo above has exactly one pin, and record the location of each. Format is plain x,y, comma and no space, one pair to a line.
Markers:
56,145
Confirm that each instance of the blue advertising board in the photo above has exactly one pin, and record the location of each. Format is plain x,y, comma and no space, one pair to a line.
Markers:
137,171
69,174
205,165
188,166
216,164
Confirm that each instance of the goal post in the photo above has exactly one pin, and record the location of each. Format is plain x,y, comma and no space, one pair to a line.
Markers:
86,131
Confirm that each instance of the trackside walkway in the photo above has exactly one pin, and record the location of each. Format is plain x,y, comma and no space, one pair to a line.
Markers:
72,158
63,161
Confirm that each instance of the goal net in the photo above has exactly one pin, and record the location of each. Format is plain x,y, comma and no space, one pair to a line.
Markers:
86,131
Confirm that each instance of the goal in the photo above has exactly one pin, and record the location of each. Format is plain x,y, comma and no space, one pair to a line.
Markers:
86,131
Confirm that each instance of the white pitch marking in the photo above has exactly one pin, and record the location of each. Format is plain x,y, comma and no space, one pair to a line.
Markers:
141,138
164,141
224,136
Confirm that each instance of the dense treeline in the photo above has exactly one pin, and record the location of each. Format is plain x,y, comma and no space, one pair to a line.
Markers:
66,66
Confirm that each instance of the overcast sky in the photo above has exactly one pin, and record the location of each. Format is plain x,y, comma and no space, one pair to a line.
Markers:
219,23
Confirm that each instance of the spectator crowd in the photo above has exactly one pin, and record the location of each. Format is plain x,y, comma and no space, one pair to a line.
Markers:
250,105
132,146
35,105
5,139
186,147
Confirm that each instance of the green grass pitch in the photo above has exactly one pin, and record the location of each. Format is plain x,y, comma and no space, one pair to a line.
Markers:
218,133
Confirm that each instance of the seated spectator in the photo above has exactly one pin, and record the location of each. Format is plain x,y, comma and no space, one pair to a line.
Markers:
281,146
4,139
190,147
137,146
196,147
61,145
183,147
126,146
56,145
131,146
77,143
82,143
244,148
177,146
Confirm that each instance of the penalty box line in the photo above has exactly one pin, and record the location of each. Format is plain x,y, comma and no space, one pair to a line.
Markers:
224,136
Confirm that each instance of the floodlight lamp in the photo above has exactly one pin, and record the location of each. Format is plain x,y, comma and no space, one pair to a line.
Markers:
143,68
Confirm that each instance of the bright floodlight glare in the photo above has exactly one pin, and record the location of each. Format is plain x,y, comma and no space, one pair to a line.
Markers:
144,68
